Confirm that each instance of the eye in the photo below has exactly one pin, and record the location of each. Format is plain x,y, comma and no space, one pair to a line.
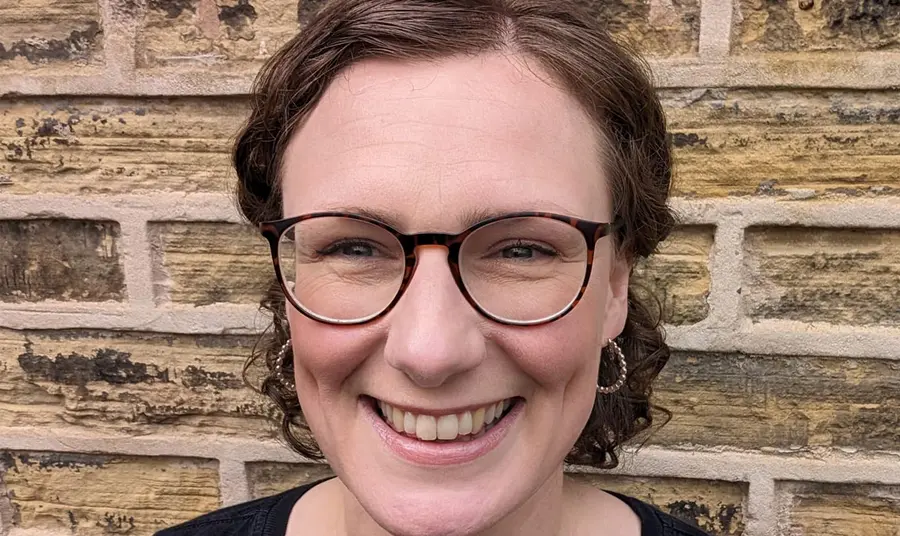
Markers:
526,250
350,248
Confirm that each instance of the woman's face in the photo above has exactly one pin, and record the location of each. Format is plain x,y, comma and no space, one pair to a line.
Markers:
426,146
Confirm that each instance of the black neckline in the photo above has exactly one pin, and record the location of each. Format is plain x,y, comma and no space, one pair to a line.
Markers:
650,524
276,521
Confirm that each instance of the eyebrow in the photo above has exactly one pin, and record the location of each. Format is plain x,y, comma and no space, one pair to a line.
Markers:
467,219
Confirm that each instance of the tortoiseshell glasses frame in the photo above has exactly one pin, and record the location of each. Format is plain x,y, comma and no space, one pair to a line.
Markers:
591,231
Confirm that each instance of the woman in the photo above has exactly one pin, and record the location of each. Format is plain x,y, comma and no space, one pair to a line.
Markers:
455,192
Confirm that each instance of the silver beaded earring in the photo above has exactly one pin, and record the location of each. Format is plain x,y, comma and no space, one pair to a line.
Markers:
623,370
286,382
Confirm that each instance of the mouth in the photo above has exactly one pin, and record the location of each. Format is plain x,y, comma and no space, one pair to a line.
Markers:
463,426
456,438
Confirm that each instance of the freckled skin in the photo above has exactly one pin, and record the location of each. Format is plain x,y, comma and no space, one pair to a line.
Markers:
429,143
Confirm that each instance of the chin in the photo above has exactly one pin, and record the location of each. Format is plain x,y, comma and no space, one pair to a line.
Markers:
435,514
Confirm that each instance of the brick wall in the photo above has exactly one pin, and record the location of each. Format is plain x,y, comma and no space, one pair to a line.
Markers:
128,284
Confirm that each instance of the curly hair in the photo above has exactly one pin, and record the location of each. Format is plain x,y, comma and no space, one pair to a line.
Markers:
609,81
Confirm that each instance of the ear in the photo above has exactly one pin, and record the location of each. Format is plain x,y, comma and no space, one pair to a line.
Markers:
616,297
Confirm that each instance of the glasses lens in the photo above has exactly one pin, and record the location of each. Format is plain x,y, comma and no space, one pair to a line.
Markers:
524,269
341,269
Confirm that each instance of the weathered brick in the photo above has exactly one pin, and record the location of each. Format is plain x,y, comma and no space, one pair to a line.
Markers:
239,34
231,35
784,143
88,494
67,260
655,27
86,146
270,478
840,276
678,275
760,401
815,25
202,263
715,506
826,509
130,383
36,33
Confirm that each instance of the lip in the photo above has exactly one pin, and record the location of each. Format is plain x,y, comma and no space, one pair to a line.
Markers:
433,453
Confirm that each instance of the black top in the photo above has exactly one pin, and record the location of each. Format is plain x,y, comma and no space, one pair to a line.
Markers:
269,517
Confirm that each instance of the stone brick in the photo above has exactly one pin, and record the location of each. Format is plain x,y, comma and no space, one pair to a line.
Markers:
228,35
655,27
236,35
92,494
790,144
271,478
815,25
779,402
203,263
825,509
840,276
47,33
715,506
66,260
678,275
130,383
89,146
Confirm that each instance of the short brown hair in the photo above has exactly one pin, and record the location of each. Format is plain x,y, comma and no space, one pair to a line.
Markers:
611,84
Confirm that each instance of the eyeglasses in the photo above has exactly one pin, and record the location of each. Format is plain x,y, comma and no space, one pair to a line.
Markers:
524,268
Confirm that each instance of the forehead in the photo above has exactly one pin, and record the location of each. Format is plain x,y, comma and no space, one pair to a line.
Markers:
428,144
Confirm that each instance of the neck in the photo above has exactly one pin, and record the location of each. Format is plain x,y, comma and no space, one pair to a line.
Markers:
541,514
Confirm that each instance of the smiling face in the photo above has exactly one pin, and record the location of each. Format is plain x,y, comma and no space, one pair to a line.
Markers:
425,146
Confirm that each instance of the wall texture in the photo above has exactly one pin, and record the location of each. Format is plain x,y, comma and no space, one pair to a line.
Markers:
128,284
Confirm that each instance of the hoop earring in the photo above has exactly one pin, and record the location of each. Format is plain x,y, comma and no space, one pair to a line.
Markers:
623,370
287,383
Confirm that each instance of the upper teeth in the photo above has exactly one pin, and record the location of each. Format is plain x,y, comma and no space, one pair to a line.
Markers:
446,427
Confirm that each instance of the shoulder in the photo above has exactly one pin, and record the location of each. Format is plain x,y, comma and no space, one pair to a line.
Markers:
258,517
655,522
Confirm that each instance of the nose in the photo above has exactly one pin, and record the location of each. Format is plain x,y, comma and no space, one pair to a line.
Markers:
433,334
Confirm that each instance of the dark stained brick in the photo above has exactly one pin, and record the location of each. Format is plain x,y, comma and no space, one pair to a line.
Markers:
66,260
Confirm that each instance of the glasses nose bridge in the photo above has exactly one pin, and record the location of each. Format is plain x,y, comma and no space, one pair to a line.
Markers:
431,239
412,243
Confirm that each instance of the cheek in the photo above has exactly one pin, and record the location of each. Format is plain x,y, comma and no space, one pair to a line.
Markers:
557,354
325,355
554,352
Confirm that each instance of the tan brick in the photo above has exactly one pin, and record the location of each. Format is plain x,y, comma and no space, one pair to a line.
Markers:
88,146
203,263
239,34
88,494
67,260
815,25
130,383
825,509
841,276
784,143
46,33
655,27
229,35
715,506
678,275
271,478
756,402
